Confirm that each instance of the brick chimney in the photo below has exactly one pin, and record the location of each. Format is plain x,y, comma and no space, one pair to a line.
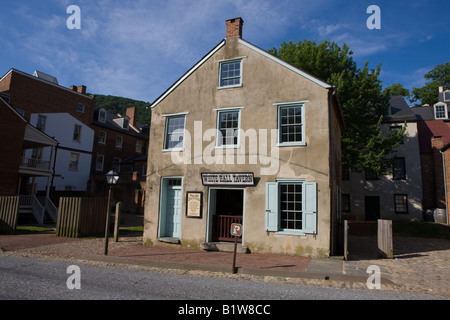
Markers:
132,114
81,89
234,27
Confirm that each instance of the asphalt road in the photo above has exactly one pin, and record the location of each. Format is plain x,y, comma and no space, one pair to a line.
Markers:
33,279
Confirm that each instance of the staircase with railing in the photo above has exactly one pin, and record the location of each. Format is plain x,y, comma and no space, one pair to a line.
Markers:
30,204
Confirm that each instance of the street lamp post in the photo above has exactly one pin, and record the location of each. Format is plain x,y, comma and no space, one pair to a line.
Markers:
111,178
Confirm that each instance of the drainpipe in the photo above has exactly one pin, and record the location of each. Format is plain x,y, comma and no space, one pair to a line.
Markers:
445,189
330,128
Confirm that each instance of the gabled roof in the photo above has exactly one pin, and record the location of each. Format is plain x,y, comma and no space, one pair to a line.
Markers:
400,111
429,129
113,125
250,46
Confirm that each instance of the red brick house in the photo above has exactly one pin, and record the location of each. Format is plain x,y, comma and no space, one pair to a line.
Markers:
120,144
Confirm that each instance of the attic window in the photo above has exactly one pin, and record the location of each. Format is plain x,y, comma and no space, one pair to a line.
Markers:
440,111
447,95
230,74
102,116
126,122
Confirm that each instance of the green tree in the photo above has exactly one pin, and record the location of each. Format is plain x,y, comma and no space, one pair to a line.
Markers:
396,89
362,101
438,76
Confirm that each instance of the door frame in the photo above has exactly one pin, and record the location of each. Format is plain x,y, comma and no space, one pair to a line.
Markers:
211,211
162,205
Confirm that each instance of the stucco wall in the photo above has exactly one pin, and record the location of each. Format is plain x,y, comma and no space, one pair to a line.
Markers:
264,83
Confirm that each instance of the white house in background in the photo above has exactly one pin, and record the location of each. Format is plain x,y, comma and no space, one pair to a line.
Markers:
397,195
74,152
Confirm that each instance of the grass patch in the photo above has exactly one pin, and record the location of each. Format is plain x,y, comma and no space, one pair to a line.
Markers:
420,229
32,229
130,230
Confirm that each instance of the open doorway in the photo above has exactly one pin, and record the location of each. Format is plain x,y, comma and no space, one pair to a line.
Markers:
226,206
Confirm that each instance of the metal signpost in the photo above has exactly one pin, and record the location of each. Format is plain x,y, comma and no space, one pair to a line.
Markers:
236,231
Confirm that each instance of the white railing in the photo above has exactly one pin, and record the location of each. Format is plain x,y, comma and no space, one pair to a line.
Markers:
37,164
52,210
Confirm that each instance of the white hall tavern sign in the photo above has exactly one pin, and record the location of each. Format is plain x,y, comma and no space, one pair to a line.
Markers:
228,179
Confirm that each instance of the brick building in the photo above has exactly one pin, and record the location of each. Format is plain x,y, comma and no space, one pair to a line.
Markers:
434,139
120,144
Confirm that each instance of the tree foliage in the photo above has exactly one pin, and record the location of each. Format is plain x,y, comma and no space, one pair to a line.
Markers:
360,94
396,89
119,105
438,76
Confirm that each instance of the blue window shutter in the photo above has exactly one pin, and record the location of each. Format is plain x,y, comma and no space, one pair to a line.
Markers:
310,207
271,206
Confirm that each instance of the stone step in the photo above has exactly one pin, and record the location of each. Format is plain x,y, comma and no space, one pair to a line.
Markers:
224,246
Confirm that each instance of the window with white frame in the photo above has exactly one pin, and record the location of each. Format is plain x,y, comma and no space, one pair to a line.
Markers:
119,141
80,107
99,162
73,162
447,95
440,111
174,139
401,203
291,126
77,133
230,73
102,116
102,137
291,207
228,123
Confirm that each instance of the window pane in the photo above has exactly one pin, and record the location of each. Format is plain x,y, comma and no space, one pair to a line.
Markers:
228,128
291,206
291,125
230,73
175,133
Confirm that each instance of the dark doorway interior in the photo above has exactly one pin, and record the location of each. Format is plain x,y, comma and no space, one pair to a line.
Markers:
229,202
372,208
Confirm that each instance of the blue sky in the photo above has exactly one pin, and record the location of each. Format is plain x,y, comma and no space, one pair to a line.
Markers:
137,49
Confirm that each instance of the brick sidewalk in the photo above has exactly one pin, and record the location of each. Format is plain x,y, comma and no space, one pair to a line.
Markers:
252,261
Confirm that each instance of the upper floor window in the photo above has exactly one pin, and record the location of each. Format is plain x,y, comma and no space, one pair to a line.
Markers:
440,111
174,139
102,137
228,124
138,146
119,140
77,133
41,122
230,73
125,123
102,116
447,95
80,107
291,126
395,129
73,162
399,170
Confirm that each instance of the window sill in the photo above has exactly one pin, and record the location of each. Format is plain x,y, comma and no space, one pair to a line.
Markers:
234,146
290,233
292,144
230,87
173,150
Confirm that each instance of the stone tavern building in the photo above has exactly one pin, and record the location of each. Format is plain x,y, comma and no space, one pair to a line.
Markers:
244,137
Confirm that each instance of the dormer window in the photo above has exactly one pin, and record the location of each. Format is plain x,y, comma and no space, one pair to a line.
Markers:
447,95
126,122
102,116
440,111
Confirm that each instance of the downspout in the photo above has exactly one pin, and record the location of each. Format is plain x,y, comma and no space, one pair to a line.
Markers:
445,189
330,127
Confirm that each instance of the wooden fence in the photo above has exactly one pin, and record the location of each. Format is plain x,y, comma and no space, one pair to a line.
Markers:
9,209
81,217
